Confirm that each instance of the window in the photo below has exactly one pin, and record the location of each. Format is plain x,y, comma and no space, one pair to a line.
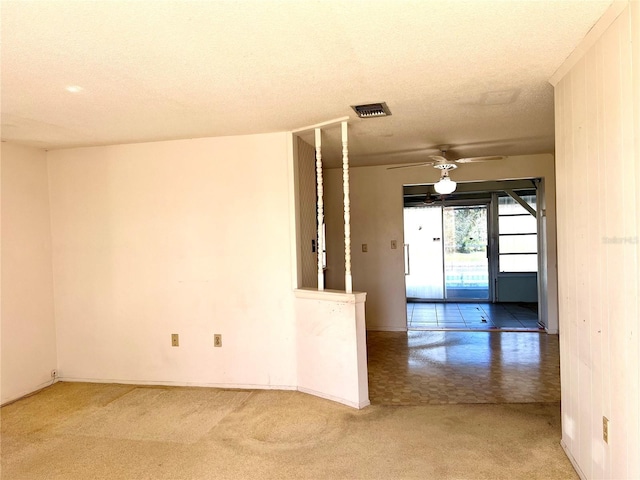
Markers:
517,235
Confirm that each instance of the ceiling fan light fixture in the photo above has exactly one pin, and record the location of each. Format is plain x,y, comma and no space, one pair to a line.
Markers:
445,185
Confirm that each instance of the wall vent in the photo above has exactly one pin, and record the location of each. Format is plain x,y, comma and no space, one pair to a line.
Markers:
372,110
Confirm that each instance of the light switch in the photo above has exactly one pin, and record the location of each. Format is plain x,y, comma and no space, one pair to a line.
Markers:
394,244
365,249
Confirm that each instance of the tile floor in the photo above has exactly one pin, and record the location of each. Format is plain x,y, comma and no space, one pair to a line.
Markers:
442,367
472,316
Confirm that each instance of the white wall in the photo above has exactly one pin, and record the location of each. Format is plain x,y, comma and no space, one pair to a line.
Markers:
598,172
377,218
332,346
190,237
28,327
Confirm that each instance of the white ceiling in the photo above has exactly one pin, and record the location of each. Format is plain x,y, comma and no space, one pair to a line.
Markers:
473,74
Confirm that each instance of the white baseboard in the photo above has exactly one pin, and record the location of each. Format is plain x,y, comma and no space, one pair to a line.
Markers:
344,401
242,386
573,461
27,393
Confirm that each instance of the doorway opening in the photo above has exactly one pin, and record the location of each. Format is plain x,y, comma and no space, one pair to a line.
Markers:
471,258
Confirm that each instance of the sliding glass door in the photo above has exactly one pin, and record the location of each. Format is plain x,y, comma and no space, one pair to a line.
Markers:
423,252
446,252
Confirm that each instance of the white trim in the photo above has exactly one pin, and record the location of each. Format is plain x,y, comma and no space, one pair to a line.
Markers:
590,39
27,393
349,403
328,123
573,461
330,295
244,386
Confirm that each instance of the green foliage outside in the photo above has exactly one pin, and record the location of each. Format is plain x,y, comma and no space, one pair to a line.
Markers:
468,226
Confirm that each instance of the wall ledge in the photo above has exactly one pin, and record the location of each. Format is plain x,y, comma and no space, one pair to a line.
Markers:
338,296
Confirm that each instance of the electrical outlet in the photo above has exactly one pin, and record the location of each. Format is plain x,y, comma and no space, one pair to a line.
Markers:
54,373
394,244
605,429
175,342
217,340
365,248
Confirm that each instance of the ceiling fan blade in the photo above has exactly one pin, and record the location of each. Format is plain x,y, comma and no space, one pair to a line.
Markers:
439,158
479,159
425,164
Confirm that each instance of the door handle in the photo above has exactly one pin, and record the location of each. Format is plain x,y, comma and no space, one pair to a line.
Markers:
407,267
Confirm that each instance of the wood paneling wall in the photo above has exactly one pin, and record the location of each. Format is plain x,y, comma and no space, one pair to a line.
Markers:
598,206
308,218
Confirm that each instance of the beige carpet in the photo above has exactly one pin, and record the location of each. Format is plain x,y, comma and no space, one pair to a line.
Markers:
96,431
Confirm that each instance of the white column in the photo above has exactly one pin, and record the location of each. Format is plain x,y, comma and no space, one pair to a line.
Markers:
320,242
348,281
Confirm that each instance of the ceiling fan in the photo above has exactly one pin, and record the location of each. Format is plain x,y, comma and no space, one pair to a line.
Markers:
445,185
428,198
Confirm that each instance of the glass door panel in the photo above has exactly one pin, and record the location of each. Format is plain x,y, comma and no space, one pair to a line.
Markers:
423,253
466,265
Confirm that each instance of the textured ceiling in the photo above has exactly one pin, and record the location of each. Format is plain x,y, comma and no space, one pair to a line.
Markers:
473,74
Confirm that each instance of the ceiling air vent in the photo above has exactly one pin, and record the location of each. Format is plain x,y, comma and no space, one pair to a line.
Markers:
372,110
